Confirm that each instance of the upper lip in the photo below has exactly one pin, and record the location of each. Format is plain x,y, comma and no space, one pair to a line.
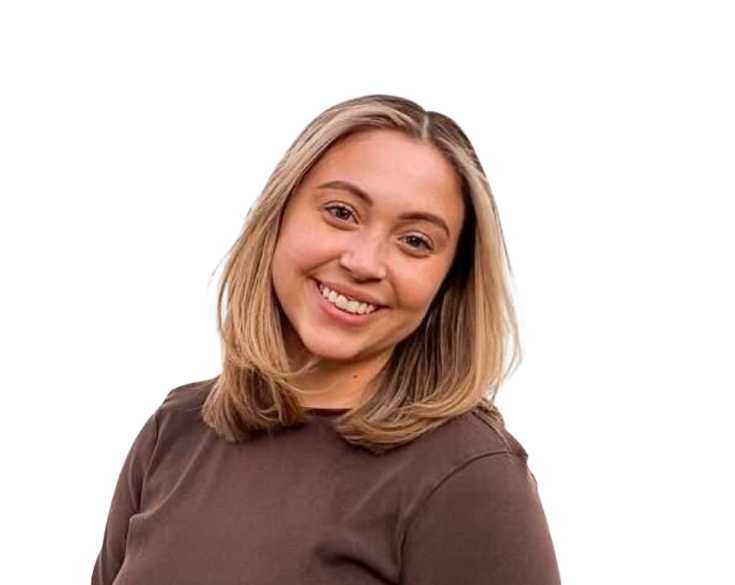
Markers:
351,292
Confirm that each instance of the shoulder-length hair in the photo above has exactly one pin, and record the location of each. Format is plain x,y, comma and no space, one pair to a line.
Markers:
455,360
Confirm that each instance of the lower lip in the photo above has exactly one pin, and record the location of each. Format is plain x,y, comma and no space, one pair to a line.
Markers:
341,316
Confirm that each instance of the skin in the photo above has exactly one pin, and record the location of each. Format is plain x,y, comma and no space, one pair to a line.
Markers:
367,248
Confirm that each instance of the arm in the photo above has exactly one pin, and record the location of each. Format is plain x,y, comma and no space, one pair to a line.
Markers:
483,524
125,503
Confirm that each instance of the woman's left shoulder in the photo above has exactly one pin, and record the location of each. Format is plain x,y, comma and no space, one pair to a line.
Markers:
467,436
485,498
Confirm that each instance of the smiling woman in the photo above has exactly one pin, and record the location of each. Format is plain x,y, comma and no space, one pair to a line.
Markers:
352,435
392,248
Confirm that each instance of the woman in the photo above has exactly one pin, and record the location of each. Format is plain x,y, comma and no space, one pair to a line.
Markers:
351,436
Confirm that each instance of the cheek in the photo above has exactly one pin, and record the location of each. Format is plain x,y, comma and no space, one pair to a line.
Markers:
300,249
417,288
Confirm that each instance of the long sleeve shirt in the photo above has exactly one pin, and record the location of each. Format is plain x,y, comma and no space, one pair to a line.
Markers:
300,506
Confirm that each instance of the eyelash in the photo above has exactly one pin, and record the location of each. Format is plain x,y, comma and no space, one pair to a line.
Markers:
423,240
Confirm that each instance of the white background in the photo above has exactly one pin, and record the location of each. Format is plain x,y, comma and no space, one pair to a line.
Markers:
135,135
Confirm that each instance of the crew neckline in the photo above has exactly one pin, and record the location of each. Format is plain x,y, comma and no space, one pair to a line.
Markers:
326,411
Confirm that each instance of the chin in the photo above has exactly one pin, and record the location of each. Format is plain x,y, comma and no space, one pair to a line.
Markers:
336,350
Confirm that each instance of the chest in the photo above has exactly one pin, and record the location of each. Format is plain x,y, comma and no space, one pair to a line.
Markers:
226,514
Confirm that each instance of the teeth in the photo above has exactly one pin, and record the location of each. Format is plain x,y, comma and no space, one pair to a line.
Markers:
345,303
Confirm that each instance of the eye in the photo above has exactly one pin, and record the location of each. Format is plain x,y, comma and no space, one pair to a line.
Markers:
339,208
343,213
421,242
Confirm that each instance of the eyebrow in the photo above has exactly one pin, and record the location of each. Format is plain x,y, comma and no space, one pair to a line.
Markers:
355,190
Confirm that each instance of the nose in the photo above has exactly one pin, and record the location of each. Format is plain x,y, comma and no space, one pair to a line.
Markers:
364,259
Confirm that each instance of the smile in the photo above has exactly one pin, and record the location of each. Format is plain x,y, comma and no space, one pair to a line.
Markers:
344,316
345,303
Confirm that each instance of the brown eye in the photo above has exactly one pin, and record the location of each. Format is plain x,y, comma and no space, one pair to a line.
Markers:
420,241
339,209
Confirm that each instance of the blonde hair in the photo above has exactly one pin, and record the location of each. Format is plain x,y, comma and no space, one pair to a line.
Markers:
455,360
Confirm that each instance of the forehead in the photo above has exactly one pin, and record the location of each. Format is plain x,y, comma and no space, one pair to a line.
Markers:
396,170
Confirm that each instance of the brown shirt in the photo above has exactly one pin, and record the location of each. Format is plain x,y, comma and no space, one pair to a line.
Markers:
456,506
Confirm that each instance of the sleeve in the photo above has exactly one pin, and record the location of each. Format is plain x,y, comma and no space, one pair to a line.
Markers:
125,503
483,524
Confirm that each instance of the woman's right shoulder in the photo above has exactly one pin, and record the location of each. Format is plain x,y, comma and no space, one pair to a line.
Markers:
188,395
182,404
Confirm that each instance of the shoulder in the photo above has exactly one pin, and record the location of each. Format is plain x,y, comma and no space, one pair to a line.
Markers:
463,442
182,405
464,438
187,397
482,523
487,498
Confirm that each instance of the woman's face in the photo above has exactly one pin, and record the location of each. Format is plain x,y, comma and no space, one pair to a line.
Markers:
391,246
